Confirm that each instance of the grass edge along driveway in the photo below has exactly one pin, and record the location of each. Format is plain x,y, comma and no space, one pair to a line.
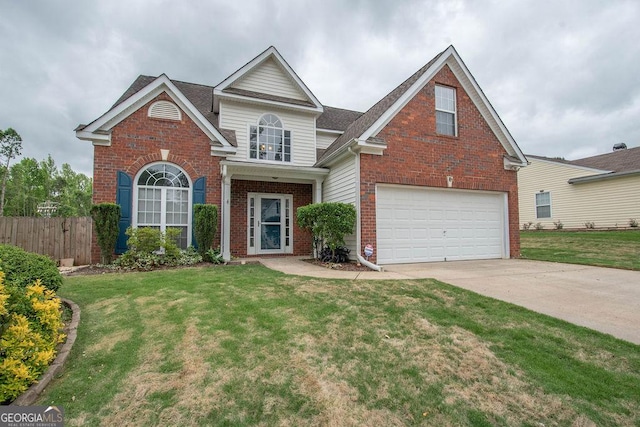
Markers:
616,249
244,345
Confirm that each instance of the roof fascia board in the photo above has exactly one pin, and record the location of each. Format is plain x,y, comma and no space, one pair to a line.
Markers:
95,138
331,131
161,84
484,105
603,177
270,52
315,110
338,153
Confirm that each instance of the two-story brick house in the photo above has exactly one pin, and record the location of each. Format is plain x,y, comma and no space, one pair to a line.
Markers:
430,168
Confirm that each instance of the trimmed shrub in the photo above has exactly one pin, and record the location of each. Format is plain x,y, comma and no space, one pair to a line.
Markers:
22,268
106,218
31,329
205,226
328,222
149,248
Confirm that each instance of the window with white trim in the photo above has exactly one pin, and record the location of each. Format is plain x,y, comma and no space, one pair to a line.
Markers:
543,205
269,140
446,111
163,200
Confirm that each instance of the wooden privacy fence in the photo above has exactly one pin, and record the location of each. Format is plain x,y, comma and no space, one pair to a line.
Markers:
58,238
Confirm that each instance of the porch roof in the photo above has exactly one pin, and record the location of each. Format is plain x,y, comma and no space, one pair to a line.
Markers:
254,171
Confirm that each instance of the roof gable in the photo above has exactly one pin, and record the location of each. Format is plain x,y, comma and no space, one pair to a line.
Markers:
140,93
268,78
377,117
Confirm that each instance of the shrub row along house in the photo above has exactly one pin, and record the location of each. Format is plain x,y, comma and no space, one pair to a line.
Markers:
600,190
430,168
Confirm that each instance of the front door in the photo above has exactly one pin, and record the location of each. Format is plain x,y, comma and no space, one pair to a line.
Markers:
269,224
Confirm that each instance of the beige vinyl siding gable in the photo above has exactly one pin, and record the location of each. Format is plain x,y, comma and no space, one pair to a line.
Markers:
239,117
325,139
608,203
269,78
340,186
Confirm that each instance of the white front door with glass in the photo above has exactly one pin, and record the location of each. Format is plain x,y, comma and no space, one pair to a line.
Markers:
163,200
269,224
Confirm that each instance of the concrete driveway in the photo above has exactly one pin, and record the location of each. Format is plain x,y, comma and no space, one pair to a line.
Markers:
604,299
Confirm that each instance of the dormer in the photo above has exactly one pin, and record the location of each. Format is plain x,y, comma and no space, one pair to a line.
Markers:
269,81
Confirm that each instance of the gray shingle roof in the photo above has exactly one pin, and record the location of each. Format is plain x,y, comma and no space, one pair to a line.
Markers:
364,122
201,96
616,161
337,118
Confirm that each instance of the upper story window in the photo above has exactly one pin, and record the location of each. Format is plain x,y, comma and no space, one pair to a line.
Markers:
446,110
543,204
269,140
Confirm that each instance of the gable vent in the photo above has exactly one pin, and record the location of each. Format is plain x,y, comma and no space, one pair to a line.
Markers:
165,110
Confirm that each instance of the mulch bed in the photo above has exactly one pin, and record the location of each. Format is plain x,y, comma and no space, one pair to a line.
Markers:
347,266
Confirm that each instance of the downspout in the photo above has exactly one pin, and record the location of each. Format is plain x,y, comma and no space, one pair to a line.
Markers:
361,259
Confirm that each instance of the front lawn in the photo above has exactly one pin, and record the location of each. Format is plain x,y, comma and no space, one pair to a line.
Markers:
243,345
620,249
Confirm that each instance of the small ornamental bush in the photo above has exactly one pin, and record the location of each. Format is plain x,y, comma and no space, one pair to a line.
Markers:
558,225
106,218
328,222
539,226
149,248
590,225
22,268
633,222
30,330
205,226
527,225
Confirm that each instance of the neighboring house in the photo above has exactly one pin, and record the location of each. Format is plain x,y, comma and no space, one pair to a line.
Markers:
430,168
604,190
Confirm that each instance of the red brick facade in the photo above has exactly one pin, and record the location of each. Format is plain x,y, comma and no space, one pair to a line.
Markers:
417,155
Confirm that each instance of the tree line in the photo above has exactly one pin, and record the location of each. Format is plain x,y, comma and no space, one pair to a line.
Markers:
30,184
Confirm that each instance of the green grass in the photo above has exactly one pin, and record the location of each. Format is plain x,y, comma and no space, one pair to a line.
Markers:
619,249
243,345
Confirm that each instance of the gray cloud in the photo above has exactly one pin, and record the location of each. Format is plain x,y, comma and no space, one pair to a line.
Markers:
564,76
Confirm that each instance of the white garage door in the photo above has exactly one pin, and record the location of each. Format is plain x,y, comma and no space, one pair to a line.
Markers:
418,224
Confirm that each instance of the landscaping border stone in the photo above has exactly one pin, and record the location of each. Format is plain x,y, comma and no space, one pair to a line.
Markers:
71,330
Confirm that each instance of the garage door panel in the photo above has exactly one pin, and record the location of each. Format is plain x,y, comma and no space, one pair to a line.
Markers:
417,224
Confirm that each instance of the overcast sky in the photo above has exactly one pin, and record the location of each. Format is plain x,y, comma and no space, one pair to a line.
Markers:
564,76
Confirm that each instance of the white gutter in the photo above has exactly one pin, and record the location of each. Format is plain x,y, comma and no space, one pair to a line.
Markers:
361,259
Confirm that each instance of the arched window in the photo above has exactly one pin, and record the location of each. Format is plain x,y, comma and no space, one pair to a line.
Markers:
163,200
269,140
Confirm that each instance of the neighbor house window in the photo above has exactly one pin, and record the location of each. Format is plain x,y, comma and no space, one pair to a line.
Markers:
543,205
445,110
269,140
163,200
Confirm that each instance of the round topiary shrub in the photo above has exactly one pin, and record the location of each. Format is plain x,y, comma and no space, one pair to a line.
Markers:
22,268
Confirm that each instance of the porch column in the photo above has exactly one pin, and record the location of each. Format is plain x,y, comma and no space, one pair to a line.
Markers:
226,215
317,193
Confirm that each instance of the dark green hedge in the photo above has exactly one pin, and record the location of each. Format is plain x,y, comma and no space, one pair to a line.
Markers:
22,268
205,226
